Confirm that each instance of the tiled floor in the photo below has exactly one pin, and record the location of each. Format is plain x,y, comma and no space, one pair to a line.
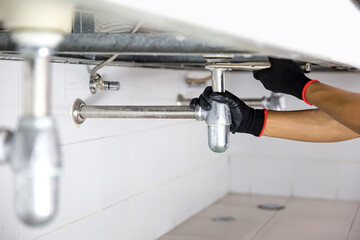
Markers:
302,219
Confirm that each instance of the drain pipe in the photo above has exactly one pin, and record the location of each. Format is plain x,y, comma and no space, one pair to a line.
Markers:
35,154
33,150
218,140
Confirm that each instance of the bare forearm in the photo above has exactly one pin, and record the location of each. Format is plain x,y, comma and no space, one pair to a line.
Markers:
343,106
307,125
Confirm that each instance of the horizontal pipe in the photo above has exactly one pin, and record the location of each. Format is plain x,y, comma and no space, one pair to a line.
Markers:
254,102
251,102
172,112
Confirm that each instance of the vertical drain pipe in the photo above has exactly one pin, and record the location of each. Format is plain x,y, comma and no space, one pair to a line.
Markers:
35,155
218,119
37,27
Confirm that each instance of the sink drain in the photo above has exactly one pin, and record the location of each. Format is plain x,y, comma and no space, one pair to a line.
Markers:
273,207
223,219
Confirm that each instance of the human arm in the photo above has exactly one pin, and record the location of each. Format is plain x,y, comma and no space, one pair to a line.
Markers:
343,106
306,125
286,76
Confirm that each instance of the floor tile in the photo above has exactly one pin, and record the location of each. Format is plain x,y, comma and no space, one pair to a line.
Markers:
356,224
173,237
298,232
353,235
208,229
251,200
308,212
250,213
310,219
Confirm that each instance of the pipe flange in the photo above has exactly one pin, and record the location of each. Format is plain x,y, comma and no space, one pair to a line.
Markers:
76,109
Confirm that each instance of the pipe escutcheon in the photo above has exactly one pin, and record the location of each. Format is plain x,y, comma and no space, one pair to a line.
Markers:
76,111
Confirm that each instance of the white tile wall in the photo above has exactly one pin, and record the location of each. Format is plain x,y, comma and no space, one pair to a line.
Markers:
122,179
116,222
315,179
89,228
349,178
83,175
276,166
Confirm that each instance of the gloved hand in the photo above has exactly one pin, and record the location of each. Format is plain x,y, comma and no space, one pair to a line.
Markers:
244,118
284,76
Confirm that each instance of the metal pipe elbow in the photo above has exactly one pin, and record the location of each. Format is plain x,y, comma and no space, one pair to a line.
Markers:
218,120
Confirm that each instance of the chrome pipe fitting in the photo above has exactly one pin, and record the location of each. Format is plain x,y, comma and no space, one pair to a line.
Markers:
36,162
33,150
218,80
218,120
96,82
36,82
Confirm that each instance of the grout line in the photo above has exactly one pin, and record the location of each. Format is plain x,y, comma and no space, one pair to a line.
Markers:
130,183
65,150
129,197
292,188
353,221
337,184
18,117
229,174
269,220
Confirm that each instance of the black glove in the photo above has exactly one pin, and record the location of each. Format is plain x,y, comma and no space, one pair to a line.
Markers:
284,76
244,118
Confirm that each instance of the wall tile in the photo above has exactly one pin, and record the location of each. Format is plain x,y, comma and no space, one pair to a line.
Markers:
268,174
115,184
349,180
90,228
9,226
142,216
204,185
182,198
9,98
142,170
58,98
217,179
240,171
59,234
315,179
116,222
164,211
83,170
